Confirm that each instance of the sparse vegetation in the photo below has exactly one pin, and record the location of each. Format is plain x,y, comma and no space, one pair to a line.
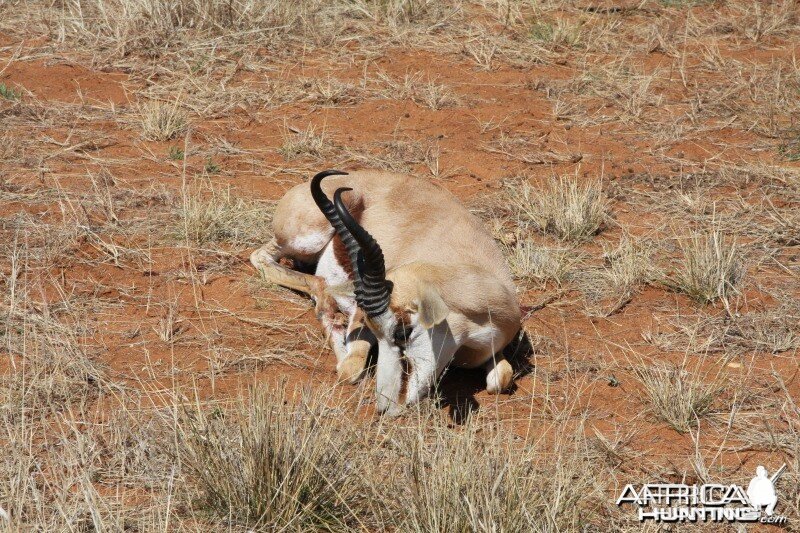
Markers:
303,143
611,286
211,167
514,491
558,33
563,207
162,121
212,215
532,262
710,267
150,382
8,92
790,149
436,96
415,87
679,396
176,153
271,464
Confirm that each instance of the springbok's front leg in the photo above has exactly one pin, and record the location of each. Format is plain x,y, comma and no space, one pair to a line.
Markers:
265,260
388,378
359,342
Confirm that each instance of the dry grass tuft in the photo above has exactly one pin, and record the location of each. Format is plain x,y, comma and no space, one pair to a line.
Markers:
769,331
533,263
212,215
710,267
611,286
560,33
435,95
678,396
564,208
162,121
331,92
303,143
401,155
49,370
471,481
483,52
271,464
414,87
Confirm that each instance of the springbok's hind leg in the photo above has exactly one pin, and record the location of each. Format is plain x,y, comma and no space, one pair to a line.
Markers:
499,374
265,260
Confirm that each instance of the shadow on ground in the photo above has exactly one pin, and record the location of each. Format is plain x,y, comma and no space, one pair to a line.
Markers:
458,386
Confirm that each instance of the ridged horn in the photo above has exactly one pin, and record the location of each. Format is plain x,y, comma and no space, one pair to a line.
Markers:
328,209
376,290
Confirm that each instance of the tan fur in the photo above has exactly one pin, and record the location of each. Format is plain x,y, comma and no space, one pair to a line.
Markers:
430,305
474,298
440,257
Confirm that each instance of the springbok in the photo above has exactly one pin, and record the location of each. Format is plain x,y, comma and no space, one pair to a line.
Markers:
429,281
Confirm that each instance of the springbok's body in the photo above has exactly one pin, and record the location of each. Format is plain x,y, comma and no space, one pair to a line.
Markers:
449,297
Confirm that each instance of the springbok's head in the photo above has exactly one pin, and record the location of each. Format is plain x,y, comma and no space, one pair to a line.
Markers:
399,307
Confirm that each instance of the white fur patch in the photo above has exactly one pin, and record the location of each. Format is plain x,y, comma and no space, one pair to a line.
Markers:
493,381
484,337
329,269
429,352
310,243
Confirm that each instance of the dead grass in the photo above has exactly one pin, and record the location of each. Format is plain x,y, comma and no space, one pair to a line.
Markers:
451,489
401,155
122,28
211,215
528,150
331,92
563,207
162,121
123,344
293,460
50,369
611,286
680,395
532,262
303,143
269,464
415,87
557,33
771,331
710,267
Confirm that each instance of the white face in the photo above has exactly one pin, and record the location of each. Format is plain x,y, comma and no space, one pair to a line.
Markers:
389,371
427,350
390,329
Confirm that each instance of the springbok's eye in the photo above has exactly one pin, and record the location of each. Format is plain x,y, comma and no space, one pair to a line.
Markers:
401,334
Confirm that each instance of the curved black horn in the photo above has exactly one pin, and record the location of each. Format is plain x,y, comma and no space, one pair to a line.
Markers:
322,201
376,289
328,209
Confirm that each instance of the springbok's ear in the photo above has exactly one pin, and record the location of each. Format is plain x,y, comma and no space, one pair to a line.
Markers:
431,308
